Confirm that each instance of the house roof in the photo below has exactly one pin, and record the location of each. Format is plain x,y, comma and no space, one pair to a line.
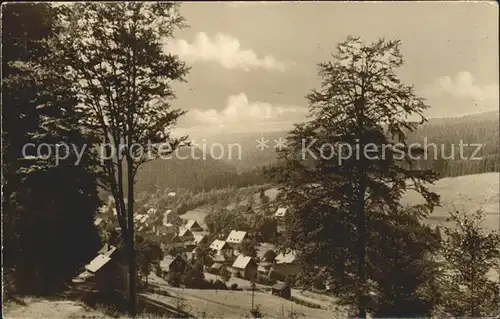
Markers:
286,258
97,263
218,244
168,260
190,223
168,212
242,262
107,250
236,236
280,212
97,221
198,237
86,274
184,231
138,217
216,266
219,258
171,194
144,218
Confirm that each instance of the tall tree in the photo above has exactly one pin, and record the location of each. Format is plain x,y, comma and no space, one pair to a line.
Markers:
114,55
48,202
471,253
350,162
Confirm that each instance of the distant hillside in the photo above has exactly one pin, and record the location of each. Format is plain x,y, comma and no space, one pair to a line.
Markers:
479,128
192,169
241,156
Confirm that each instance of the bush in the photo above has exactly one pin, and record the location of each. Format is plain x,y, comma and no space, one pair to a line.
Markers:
234,286
255,312
305,303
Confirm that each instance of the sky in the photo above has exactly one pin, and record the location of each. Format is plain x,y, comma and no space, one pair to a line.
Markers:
253,63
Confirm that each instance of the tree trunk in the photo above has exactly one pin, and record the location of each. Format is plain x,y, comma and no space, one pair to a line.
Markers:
360,210
130,243
361,218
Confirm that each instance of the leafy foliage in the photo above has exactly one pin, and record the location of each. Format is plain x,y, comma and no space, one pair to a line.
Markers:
470,254
49,202
113,55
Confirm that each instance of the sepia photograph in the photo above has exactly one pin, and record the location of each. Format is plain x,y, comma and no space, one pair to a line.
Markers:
279,159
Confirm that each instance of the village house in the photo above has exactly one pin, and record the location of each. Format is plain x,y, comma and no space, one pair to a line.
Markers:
245,267
285,265
215,268
185,234
282,290
222,249
171,194
105,270
177,264
223,252
199,237
235,238
193,225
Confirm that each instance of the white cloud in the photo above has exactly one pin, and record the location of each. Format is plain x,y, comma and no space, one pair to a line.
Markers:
223,49
463,86
240,111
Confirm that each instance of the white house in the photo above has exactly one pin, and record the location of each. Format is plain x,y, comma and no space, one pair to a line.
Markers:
236,237
221,248
245,266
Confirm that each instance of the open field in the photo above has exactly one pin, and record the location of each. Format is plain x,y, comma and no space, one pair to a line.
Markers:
465,193
45,308
234,304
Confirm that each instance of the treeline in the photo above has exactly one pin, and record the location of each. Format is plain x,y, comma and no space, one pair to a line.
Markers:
196,173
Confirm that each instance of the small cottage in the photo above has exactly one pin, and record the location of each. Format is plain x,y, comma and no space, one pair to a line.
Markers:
176,264
282,290
221,248
236,237
245,266
193,225
285,265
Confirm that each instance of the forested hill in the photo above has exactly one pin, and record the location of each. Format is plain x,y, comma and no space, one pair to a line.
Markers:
192,169
479,134
244,168
482,128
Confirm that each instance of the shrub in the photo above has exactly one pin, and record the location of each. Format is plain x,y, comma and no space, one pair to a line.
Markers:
234,286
